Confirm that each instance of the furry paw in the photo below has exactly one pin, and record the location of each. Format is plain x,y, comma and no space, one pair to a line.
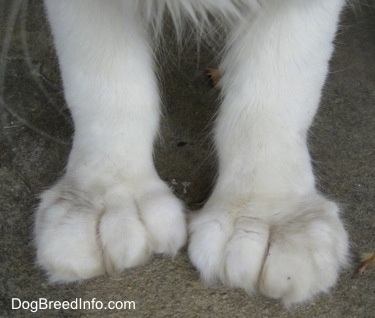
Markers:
81,234
289,250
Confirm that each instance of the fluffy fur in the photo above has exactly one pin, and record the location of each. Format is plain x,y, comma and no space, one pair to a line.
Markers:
265,228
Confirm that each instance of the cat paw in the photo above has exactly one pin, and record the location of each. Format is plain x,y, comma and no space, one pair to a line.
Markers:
286,249
81,234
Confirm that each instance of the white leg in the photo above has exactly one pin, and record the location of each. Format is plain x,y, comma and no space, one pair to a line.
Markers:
111,210
265,227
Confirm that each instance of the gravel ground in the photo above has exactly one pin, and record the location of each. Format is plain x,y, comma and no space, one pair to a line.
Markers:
35,139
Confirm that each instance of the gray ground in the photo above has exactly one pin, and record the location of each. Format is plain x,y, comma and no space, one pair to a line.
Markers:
35,139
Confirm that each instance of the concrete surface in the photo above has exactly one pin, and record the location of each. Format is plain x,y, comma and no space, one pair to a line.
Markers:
35,139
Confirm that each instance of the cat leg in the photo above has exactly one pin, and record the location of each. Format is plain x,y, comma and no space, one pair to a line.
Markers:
265,227
111,210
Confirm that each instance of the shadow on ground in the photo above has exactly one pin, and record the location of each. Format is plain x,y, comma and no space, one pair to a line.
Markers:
35,139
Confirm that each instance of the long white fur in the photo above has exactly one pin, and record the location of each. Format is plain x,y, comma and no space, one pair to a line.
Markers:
265,227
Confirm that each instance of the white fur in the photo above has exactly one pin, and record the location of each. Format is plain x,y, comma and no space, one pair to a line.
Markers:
111,210
289,248
265,227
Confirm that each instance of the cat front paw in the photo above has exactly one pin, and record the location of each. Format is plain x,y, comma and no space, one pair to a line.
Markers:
288,249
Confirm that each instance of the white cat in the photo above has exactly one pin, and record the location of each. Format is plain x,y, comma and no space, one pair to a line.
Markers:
265,227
